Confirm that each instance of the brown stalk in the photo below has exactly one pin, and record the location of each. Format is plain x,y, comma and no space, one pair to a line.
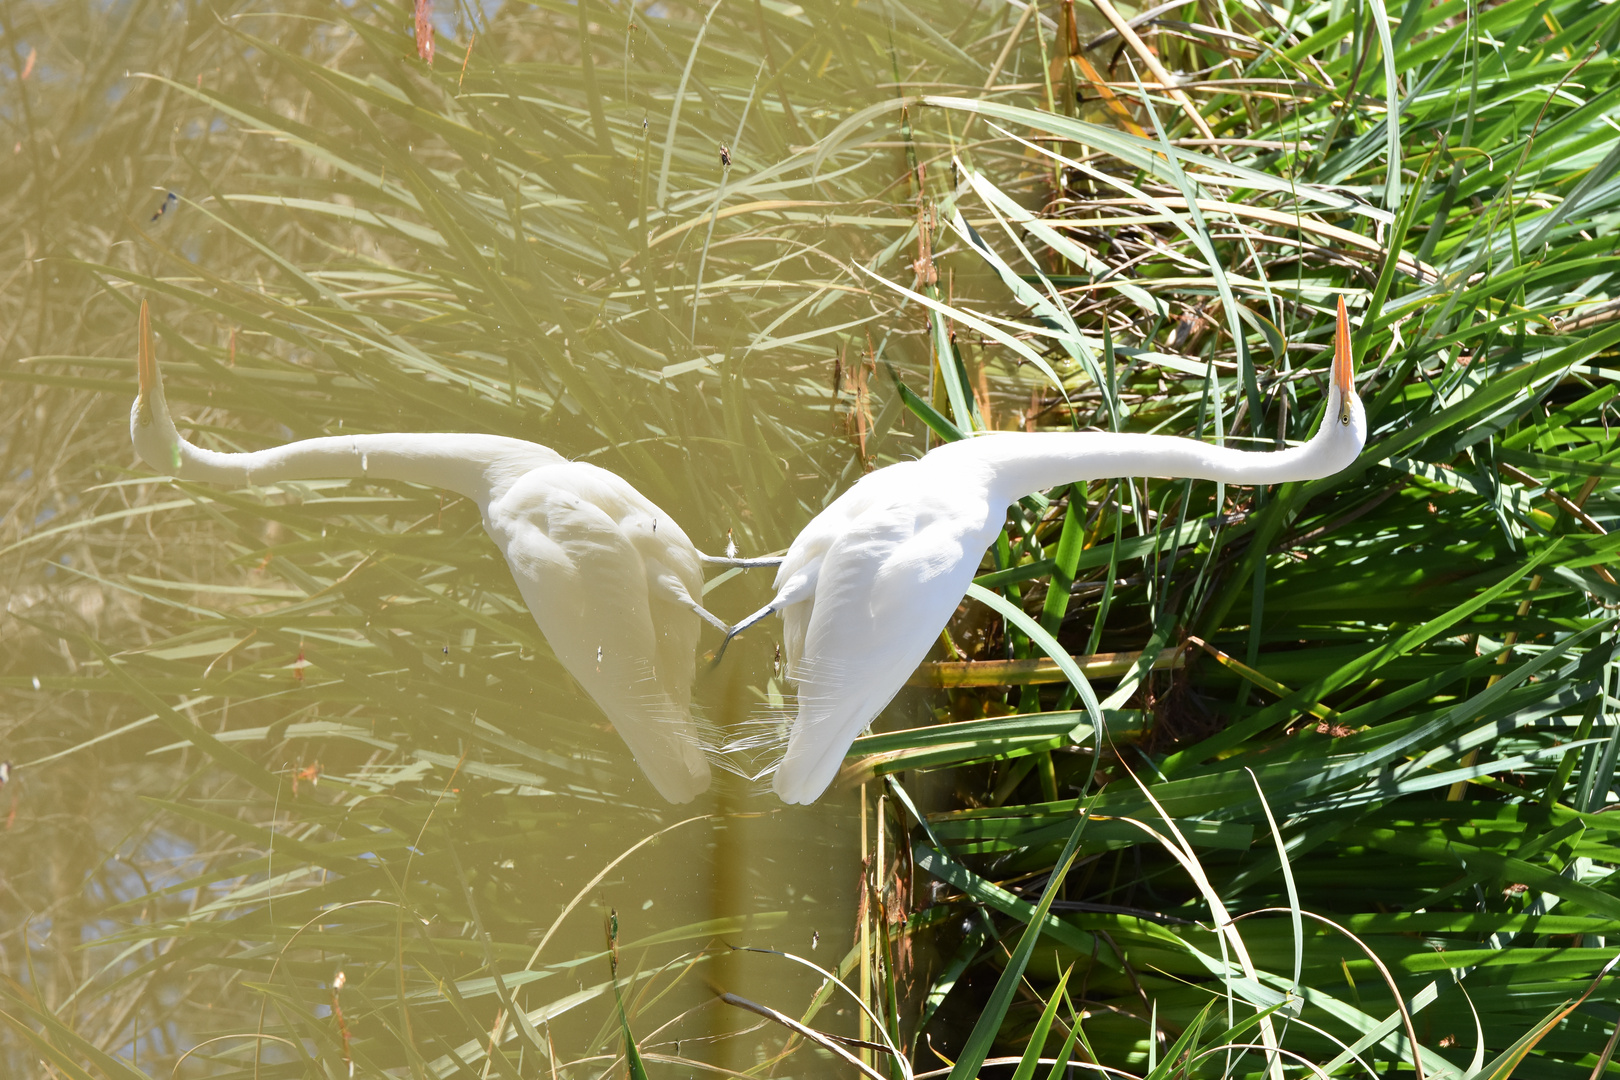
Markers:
1140,48
1107,96
954,673
1559,501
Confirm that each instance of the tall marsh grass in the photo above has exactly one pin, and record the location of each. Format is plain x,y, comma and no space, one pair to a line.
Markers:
1210,781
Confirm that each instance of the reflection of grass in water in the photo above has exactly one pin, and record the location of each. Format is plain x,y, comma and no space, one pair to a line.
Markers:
490,271
515,252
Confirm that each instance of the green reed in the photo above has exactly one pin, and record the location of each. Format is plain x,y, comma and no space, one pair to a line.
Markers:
264,737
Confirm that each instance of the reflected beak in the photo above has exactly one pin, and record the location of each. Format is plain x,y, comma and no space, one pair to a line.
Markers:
1342,363
146,363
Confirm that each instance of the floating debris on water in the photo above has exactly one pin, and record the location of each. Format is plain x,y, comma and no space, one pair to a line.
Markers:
424,29
169,201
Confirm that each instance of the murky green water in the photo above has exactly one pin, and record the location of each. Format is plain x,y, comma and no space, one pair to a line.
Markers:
295,784
510,241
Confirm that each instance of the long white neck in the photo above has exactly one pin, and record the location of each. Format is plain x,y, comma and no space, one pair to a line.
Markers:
1022,464
480,467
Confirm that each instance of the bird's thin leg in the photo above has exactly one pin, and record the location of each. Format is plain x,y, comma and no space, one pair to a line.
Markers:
711,618
733,631
721,560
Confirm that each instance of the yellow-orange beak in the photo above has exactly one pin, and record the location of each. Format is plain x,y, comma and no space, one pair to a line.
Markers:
1342,363
146,363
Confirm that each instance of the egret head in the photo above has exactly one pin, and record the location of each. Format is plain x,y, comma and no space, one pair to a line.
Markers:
1343,379
151,430
1346,422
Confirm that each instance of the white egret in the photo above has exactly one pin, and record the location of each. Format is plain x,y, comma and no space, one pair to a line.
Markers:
869,583
611,580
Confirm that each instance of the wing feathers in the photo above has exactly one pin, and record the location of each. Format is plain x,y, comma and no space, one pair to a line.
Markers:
592,592
885,589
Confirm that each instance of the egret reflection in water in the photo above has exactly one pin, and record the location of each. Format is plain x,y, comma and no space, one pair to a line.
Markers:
612,581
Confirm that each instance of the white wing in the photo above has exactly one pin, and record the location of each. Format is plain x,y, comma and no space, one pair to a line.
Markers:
885,588
671,569
582,572
799,574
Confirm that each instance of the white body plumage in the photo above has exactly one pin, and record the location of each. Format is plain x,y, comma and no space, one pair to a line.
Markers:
611,580
867,586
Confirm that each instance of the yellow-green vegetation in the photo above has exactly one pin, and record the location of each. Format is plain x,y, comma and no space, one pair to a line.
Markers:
1333,798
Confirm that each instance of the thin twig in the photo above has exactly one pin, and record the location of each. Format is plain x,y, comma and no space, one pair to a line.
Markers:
995,69
1140,48
821,1039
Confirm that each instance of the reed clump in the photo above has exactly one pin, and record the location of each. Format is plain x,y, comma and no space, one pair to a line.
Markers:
295,784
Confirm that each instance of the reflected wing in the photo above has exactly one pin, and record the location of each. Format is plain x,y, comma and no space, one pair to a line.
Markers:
670,567
886,588
588,589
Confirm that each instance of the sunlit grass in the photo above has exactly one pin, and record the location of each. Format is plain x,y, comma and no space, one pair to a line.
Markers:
357,753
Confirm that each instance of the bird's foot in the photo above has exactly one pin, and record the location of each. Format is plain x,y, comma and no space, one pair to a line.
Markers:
733,631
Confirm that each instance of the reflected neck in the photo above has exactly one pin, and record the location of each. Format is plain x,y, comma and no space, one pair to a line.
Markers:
480,467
